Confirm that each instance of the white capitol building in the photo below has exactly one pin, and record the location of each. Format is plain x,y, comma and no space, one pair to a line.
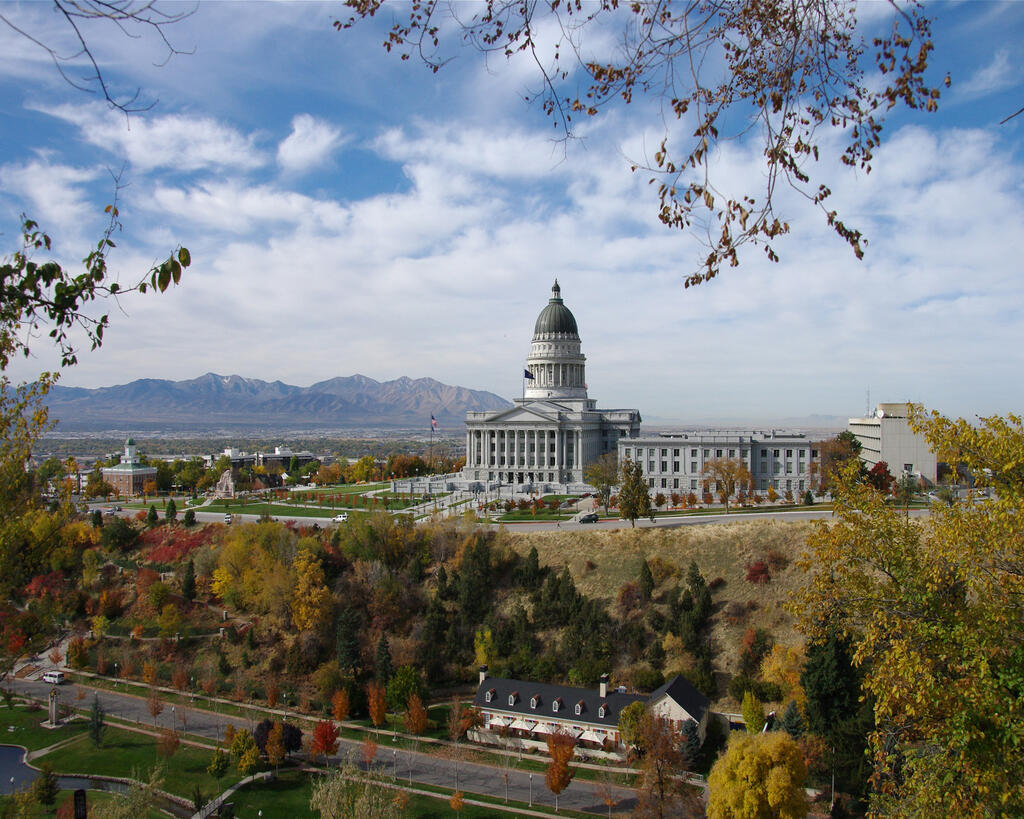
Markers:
551,434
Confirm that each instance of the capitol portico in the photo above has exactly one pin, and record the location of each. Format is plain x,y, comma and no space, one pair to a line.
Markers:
554,431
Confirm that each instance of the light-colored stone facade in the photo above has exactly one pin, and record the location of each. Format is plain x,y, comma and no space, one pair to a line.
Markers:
554,431
887,436
675,462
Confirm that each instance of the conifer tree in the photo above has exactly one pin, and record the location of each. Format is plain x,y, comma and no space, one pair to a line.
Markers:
646,582
382,661
188,582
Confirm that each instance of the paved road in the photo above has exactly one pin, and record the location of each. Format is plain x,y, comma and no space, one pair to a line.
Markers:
419,767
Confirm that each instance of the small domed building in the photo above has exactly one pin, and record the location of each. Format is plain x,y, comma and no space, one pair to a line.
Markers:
550,435
129,477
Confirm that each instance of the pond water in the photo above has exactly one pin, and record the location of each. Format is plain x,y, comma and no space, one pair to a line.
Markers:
12,767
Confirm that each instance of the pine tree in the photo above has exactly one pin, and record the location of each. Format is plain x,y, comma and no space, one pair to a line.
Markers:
96,721
347,639
792,720
190,517
831,683
171,512
382,661
188,582
646,582
152,518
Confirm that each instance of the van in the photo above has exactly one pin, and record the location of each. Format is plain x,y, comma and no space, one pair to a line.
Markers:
54,677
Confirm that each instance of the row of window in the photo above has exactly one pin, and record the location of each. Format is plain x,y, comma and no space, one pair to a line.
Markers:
556,703
663,483
719,453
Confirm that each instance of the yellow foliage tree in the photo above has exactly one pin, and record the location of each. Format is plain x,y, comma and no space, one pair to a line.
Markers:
933,609
311,600
758,775
782,666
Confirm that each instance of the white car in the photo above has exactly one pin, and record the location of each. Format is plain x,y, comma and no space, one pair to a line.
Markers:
54,677
228,518
341,517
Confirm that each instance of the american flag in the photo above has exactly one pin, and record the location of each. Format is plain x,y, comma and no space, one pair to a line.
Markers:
433,422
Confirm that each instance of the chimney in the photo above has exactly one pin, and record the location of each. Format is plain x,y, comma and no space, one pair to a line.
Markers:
483,674
603,690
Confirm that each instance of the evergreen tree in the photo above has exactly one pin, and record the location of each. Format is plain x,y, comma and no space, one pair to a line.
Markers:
46,787
97,519
171,512
97,722
634,501
188,582
382,662
831,683
646,582
442,582
190,517
792,720
152,518
690,742
346,644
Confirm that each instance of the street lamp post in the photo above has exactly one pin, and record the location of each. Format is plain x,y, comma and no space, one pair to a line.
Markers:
394,753
531,790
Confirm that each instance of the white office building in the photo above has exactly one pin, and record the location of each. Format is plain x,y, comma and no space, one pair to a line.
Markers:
675,461
887,436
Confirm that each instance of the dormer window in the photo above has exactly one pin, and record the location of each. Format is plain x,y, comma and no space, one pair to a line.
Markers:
513,697
579,708
533,701
556,704
602,710
489,695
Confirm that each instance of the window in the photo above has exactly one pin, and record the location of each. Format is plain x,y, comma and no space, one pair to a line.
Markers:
789,485
693,453
801,486
675,466
675,453
664,453
489,695
675,483
764,453
650,466
693,484
533,702
732,453
626,452
650,452
664,466
764,484
650,482
556,704
775,452
664,483
718,453
513,697
814,453
908,468
693,466
601,711
789,453
579,708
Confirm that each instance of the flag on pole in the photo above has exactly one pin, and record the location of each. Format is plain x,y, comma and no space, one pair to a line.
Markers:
433,422
528,375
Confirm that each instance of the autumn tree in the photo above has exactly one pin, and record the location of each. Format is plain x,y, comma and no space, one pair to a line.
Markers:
368,750
561,748
796,74
728,475
603,474
631,725
415,716
154,704
167,743
340,705
325,739
932,609
758,775
634,500
663,791
275,745
376,702
345,792
311,600
880,478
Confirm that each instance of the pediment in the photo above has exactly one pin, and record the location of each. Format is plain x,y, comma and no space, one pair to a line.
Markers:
531,414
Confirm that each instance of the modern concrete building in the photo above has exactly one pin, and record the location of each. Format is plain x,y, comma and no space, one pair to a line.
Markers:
887,436
129,477
555,430
675,462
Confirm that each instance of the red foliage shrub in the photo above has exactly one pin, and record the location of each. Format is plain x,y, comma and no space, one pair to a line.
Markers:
177,544
758,572
45,585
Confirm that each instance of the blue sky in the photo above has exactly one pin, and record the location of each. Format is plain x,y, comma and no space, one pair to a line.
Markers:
347,212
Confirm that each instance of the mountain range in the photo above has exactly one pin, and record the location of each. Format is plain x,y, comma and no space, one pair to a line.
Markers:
212,401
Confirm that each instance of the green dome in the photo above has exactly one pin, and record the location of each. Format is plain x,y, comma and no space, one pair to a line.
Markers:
129,442
556,318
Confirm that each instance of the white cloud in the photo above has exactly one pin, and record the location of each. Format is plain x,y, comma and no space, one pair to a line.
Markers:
995,76
310,143
175,141
58,200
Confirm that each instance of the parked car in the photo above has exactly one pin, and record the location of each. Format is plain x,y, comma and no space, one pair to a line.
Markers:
109,511
54,677
590,517
228,518
341,517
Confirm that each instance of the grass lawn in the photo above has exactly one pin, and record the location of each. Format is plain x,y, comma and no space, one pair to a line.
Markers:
289,795
126,753
276,509
519,517
28,730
